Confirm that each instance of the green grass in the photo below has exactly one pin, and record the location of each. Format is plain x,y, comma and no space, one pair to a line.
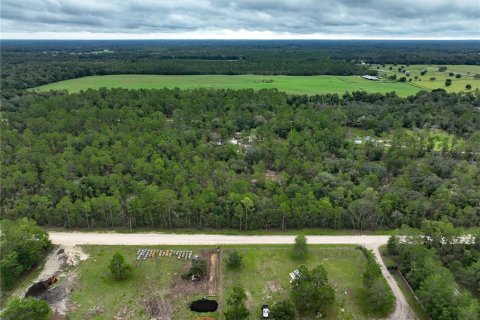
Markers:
97,288
436,137
262,265
289,84
268,267
424,81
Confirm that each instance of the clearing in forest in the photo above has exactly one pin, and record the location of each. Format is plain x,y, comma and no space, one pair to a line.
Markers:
156,284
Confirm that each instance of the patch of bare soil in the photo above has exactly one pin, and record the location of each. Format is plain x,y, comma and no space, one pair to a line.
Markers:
273,175
212,273
249,300
274,286
93,312
124,313
158,305
57,263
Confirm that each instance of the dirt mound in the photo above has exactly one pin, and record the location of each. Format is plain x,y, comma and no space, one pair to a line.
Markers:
204,305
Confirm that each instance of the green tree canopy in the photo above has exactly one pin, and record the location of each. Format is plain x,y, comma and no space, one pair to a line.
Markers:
119,268
27,309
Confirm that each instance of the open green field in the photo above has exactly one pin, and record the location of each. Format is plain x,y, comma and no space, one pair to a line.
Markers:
467,73
290,84
264,276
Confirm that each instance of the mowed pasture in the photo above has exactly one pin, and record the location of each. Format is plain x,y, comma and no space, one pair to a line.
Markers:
467,73
264,276
309,85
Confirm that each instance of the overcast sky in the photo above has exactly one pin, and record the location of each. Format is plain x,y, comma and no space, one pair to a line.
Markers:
240,19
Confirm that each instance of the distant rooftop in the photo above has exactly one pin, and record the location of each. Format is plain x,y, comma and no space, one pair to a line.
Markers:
370,77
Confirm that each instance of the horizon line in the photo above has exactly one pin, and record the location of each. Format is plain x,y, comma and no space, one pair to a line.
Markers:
245,39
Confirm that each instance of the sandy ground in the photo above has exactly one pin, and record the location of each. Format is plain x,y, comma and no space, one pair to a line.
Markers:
212,274
82,238
402,309
57,263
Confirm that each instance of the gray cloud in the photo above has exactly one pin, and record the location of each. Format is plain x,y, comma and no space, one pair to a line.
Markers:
343,18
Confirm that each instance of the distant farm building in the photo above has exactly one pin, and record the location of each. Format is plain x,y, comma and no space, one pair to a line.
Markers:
370,77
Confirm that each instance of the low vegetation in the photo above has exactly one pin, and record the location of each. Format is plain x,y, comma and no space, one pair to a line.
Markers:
234,260
235,306
310,85
26,309
156,283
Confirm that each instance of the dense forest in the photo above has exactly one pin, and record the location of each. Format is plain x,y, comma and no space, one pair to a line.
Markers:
27,64
238,159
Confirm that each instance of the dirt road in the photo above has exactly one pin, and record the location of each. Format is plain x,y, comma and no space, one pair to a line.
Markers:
73,238
402,309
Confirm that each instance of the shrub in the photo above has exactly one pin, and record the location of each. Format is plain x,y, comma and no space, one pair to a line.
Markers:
300,248
283,310
119,268
448,82
458,76
379,298
468,86
234,260
392,245
433,78
236,309
198,268
27,309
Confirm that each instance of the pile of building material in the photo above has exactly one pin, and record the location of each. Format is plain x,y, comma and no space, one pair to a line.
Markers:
294,275
143,254
179,254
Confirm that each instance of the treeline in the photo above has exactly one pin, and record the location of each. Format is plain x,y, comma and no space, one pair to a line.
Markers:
420,254
235,159
410,52
30,64
27,64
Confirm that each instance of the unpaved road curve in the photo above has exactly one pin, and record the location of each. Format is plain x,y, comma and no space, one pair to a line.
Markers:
402,309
